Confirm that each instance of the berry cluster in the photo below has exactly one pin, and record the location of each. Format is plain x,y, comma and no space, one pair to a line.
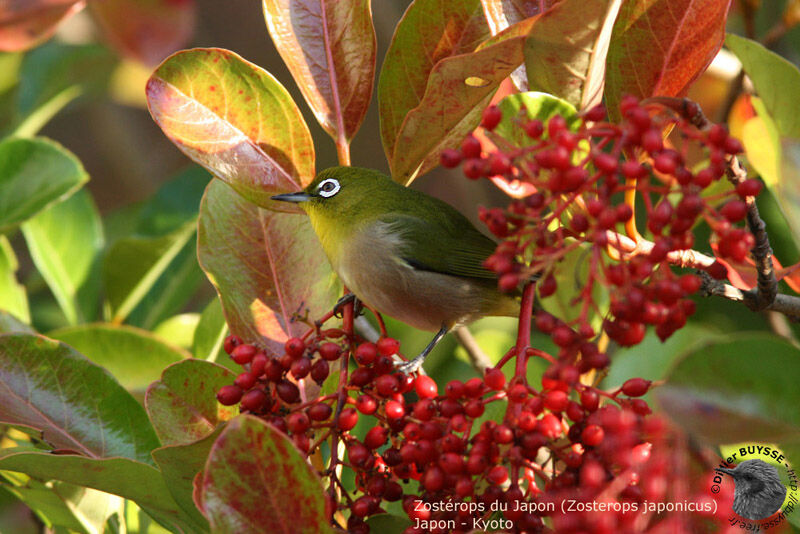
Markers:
588,180
424,448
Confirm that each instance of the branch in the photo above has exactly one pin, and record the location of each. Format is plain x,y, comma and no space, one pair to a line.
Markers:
479,360
785,304
762,252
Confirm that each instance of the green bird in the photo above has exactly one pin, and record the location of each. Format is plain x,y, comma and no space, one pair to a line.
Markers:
403,253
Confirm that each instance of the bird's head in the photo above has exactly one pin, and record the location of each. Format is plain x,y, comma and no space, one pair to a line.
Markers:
752,476
343,193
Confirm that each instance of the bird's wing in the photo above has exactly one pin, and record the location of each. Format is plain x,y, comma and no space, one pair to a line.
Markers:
447,243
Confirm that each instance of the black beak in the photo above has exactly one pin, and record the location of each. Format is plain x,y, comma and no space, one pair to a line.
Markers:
300,196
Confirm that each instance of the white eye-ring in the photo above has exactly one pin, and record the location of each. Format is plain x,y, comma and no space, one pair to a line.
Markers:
328,188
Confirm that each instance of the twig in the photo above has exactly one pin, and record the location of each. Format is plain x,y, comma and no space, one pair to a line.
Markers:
785,304
762,252
477,358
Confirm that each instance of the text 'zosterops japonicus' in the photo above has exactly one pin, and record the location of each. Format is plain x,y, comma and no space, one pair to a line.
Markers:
402,252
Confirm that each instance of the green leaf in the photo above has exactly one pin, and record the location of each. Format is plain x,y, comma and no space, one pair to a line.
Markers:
183,406
127,478
256,477
53,75
236,120
64,241
169,26
9,324
66,505
776,80
26,24
174,204
35,173
209,336
136,357
13,298
181,466
388,523
178,329
566,55
660,48
329,47
430,30
133,266
571,275
251,255
536,105
738,390
76,404
787,190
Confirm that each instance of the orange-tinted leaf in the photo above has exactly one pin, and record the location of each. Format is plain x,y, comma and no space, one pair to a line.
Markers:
500,14
146,30
430,31
266,266
329,47
566,55
236,120
743,274
659,47
27,23
459,88
257,481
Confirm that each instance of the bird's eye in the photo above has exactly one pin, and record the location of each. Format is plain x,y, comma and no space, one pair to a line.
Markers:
328,187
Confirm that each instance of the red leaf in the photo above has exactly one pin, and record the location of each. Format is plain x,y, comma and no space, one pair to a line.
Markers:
256,480
146,30
500,14
659,47
329,47
236,120
743,274
27,23
430,31
266,267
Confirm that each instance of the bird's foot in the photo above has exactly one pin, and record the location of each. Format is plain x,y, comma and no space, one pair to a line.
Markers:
411,366
358,308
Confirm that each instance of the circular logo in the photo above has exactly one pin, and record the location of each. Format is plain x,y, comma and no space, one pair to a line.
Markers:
766,486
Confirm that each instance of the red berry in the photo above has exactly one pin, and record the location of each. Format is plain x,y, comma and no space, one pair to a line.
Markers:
298,422
503,434
733,146
596,113
294,347
636,387
347,419
534,129
495,379
319,371
548,286
471,147
508,282
287,391
474,168
425,387
243,354
734,211
245,381
330,351
319,412
361,507
366,404
450,158
717,271
550,426
633,170
386,385
556,401
231,342
366,353
300,368
259,364
605,163
388,346
229,395
592,435
499,164
254,400
651,140
555,125
497,475
689,283
433,478
394,410
665,163
491,117
376,437
563,336
749,188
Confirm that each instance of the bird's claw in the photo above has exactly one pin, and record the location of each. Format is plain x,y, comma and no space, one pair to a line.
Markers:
411,366
358,308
